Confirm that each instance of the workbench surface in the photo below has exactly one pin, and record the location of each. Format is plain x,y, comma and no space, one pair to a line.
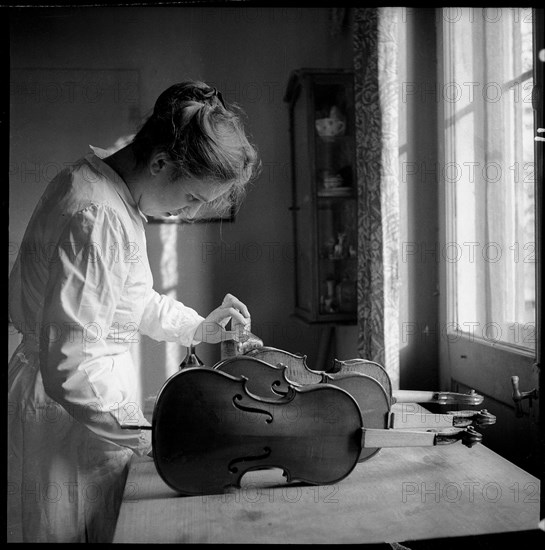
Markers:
397,495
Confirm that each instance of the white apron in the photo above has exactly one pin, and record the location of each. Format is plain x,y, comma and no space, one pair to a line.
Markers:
81,286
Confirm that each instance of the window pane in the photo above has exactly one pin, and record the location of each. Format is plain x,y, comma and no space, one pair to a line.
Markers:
489,173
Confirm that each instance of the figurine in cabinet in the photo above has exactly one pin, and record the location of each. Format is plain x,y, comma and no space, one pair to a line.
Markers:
340,247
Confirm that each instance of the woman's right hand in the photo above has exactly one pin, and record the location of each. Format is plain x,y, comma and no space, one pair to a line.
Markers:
212,329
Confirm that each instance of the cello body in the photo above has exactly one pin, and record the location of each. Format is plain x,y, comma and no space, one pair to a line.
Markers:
208,430
297,368
272,382
299,372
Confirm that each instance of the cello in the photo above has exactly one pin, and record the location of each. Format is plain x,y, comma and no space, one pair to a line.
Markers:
208,430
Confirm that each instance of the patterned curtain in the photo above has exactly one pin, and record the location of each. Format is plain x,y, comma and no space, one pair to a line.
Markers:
376,91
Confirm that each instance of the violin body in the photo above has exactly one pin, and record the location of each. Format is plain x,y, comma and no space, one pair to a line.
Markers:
209,430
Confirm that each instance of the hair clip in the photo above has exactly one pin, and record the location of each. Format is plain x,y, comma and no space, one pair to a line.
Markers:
210,93
217,93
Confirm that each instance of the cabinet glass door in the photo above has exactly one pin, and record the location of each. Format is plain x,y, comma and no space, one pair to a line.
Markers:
335,194
337,270
324,193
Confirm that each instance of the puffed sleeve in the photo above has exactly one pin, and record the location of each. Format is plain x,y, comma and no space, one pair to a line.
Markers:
167,320
76,359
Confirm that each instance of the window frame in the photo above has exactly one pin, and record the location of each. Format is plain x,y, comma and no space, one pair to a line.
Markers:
453,327
466,360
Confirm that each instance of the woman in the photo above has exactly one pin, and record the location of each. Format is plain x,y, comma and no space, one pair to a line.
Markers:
79,290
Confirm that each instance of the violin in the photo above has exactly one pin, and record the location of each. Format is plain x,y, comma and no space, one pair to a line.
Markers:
299,372
209,430
270,381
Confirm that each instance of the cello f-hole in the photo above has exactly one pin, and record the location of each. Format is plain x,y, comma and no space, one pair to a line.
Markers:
240,406
233,469
278,384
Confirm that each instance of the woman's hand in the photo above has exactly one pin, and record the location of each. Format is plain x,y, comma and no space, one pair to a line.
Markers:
212,329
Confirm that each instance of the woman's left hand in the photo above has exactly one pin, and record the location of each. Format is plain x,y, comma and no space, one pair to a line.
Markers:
212,329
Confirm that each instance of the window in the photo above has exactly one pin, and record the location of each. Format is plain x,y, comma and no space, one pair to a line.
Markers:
489,175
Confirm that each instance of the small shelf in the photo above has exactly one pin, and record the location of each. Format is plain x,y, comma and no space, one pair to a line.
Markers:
335,139
343,259
331,194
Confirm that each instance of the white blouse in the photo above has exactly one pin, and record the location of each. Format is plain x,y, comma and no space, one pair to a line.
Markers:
82,281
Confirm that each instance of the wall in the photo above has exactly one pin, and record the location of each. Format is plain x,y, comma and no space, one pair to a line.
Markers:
247,53
418,264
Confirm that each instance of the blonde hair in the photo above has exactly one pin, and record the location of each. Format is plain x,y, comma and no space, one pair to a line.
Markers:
205,139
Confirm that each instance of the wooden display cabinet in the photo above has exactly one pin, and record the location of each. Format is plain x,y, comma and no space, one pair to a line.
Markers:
324,206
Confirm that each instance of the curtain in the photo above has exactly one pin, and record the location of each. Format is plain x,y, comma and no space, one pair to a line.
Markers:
376,97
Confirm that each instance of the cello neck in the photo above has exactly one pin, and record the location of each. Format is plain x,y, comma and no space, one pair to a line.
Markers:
440,398
378,438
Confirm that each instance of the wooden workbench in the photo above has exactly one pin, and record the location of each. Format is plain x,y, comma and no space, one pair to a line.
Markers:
398,495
